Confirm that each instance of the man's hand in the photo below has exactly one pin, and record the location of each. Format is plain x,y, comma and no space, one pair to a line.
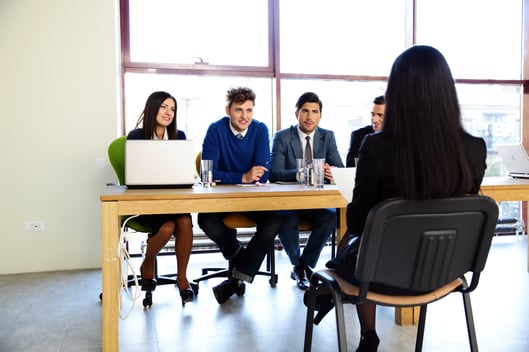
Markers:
254,174
328,173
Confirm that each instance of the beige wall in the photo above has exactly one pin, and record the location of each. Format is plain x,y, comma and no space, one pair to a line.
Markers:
59,109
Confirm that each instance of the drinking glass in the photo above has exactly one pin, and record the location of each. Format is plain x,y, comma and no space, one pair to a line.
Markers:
318,167
206,172
300,173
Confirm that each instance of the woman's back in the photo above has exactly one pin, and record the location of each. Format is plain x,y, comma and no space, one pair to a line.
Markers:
423,150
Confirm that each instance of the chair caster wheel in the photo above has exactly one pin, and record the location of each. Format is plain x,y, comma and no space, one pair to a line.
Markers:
273,280
147,301
241,289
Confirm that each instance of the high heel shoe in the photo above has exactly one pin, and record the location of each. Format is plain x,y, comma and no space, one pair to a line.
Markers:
368,342
187,295
324,303
148,285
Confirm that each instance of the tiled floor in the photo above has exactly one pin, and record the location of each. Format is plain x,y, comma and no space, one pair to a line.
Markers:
60,311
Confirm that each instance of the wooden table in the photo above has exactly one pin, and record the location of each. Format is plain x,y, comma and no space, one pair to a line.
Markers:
501,189
119,201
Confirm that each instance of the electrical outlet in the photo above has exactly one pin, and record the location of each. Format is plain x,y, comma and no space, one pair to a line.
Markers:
35,226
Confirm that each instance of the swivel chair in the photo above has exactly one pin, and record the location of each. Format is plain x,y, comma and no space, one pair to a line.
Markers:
116,156
411,253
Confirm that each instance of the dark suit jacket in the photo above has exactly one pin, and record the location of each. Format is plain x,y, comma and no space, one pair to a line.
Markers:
357,136
286,148
374,180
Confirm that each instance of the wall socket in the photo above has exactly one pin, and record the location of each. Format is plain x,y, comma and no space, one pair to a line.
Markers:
35,226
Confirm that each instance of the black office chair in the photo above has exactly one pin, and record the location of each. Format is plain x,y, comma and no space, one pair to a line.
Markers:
413,246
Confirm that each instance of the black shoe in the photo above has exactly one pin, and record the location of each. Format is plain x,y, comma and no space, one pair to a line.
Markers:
148,284
368,342
324,302
187,295
227,288
298,274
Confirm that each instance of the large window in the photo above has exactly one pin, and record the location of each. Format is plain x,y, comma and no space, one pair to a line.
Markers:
340,49
341,37
479,38
206,32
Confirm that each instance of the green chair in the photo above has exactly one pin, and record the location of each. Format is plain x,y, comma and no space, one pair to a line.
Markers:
116,156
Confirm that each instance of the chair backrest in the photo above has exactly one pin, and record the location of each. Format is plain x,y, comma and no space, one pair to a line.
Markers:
116,156
422,245
197,162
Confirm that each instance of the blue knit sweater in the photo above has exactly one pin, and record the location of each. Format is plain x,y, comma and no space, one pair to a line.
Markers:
233,157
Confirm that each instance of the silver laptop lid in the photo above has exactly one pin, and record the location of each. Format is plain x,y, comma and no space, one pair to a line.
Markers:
159,164
515,159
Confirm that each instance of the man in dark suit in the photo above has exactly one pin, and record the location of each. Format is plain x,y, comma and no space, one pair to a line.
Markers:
296,142
357,136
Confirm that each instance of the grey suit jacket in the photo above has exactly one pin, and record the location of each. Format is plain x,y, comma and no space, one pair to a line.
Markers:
286,148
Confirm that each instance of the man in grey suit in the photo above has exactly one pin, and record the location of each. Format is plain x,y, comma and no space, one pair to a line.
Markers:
293,143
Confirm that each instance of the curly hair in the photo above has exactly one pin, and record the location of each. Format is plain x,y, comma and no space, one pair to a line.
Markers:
239,95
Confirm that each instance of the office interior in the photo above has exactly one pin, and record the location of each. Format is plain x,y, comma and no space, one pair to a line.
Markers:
61,105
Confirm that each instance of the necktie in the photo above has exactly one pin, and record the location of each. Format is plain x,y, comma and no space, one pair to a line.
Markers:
308,151
239,136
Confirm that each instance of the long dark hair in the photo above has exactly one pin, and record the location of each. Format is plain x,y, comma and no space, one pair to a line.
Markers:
423,118
148,116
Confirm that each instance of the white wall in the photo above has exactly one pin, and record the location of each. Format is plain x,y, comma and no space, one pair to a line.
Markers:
59,109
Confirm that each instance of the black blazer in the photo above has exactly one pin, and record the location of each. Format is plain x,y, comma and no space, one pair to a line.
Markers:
357,136
374,180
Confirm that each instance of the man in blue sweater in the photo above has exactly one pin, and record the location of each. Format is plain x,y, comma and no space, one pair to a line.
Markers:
240,150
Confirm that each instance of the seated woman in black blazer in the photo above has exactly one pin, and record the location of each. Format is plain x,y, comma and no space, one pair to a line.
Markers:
422,152
159,123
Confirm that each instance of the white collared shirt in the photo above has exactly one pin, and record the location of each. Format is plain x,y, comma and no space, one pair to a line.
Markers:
165,136
235,132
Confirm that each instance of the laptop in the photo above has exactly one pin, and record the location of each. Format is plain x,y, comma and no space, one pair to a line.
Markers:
159,164
515,159
344,178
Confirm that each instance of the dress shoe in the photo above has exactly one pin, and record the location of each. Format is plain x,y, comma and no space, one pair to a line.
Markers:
187,295
227,288
147,284
298,274
324,302
368,342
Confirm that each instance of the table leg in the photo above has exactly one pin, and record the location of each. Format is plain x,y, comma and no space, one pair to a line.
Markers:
407,315
110,275
342,225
